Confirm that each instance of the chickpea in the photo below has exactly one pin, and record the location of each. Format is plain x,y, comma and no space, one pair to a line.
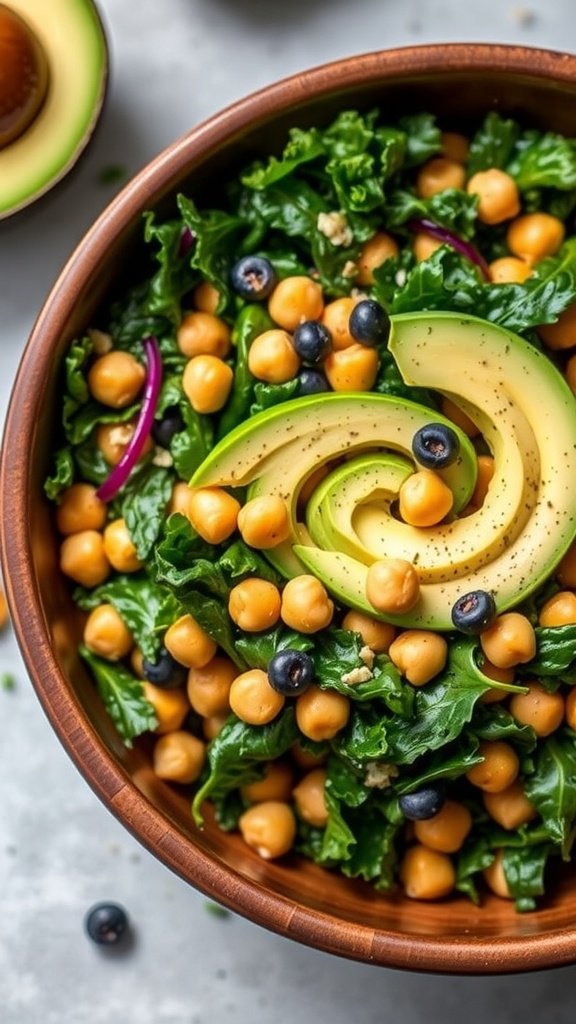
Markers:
112,439
566,571
263,522
294,300
376,635
80,509
181,500
510,807
562,334
499,768
426,874
306,606
187,642
509,270
304,759
208,687
424,498
119,547
485,465
213,725
498,197
424,246
206,297
213,513
137,662
352,369
269,828
392,586
106,634
452,412
571,709
201,333
116,379
509,641
83,559
570,373
419,655
496,879
559,610
438,174
500,675
170,706
446,830
373,254
534,236
252,698
455,146
309,798
207,381
336,317
254,604
276,784
179,757
542,710
273,358
320,714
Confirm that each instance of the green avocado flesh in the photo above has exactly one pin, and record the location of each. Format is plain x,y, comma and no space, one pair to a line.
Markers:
527,415
278,450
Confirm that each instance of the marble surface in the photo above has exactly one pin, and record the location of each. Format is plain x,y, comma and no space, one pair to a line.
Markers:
173,63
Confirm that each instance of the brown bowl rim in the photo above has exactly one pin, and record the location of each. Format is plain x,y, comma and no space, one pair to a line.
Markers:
96,763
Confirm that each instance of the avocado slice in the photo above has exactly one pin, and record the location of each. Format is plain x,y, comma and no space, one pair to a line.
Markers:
527,414
71,37
277,450
365,482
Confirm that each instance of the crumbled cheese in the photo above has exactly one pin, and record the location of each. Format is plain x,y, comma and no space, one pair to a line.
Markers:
350,269
400,277
101,342
163,458
357,675
335,227
379,775
121,434
358,293
367,656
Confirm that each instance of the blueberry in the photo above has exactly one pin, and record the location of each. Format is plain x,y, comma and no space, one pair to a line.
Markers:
165,672
435,446
290,672
312,382
474,612
312,341
423,803
253,278
171,423
106,923
369,323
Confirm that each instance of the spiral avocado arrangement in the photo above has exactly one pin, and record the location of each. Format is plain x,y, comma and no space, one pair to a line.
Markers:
526,416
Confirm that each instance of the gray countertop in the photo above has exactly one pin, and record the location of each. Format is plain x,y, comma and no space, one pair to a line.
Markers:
173,63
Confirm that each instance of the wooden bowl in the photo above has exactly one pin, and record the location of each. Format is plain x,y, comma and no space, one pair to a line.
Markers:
293,897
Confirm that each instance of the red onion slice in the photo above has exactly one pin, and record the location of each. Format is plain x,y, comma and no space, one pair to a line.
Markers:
449,238
120,473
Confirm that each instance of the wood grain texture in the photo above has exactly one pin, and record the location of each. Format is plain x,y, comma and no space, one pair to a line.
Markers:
293,897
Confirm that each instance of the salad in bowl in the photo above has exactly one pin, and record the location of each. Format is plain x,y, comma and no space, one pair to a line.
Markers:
314,493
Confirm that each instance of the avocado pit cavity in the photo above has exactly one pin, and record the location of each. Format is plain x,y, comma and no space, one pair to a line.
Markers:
23,76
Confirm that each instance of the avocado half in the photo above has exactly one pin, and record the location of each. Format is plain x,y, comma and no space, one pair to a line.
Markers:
72,37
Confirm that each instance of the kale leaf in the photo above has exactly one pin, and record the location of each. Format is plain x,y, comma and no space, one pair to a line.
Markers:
123,697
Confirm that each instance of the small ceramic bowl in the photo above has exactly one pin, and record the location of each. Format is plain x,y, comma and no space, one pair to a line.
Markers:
293,897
